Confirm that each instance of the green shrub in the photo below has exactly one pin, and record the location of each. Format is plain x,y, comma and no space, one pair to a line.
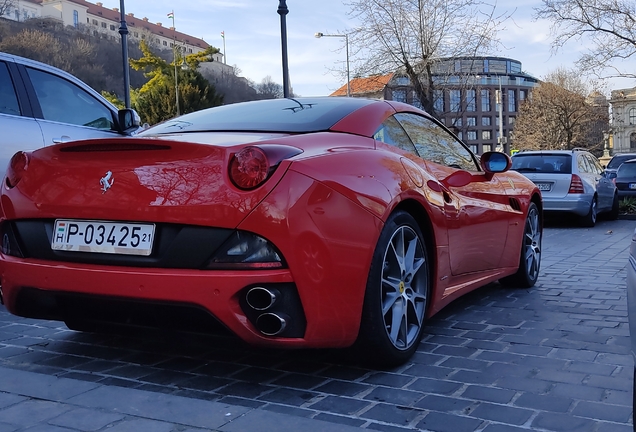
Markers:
627,205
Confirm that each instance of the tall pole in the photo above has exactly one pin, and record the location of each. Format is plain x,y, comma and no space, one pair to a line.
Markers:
123,31
346,36
283,11
174,57
348,72
224,57
500,139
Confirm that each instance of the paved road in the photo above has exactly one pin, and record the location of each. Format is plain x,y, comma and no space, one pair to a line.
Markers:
552,358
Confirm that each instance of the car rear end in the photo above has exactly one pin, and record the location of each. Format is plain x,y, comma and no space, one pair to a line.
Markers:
562,189
625,179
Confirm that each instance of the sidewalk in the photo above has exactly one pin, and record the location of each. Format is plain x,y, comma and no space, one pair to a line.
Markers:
41,403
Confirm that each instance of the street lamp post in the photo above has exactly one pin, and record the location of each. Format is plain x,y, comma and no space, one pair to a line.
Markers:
283,11
123,31
346,36
501,140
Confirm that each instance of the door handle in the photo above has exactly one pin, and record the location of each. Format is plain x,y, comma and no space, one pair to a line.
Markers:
62,139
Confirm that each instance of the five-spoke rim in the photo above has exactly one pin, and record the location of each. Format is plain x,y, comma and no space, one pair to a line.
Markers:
404,287
532,243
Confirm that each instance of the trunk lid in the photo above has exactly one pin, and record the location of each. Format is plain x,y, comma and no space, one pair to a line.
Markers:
138,179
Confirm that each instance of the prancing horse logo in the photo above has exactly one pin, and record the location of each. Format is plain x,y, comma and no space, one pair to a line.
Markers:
104,182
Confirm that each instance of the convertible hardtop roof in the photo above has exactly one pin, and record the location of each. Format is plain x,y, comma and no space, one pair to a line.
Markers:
291,115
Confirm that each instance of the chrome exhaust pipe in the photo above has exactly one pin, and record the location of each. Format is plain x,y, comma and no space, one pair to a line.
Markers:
260,298
272,324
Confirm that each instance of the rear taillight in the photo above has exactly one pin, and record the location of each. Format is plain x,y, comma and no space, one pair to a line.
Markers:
576,185
17,167
251,166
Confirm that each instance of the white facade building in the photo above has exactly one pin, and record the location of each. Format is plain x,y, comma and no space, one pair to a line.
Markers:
623,121
105,22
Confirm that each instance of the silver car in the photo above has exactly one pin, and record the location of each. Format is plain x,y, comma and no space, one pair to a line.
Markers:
41,105
571,181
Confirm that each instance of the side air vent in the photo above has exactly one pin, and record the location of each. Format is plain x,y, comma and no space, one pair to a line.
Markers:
514,203
113,147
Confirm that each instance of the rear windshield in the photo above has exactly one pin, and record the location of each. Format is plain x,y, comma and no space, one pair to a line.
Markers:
547,163
274,115
619,159
627,170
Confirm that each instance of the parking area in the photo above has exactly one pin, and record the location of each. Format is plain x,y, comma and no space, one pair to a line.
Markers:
551,358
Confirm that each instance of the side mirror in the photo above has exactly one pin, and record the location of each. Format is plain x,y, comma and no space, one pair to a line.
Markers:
495,162
129,120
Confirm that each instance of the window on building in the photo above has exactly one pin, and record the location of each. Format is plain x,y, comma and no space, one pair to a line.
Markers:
512,101
485,100
438,100
471,102
632,116
486,135
512,120
471,136
95,22
632,142
165,43
415,101
402,80
485,121
104,25
75,19
457,122
471,121
486,148
88,20
523,95
460,135
399,95
136,34
112,27
455,100
189,50
473,148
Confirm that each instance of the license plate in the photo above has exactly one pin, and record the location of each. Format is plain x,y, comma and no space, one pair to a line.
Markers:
544,186
632,185
126,238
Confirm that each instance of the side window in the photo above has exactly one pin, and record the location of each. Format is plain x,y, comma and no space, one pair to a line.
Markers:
392,133
435,143
64,102
583,166
594,164
8,98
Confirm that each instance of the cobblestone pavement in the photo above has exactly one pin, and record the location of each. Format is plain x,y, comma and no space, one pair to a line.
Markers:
551,358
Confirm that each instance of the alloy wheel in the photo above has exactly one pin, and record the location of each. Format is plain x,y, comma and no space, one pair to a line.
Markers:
532,243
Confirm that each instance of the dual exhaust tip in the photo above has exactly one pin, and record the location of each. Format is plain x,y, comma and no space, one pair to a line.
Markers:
261,299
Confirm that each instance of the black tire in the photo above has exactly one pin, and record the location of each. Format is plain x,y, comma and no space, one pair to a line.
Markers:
589,220
397,292
81,325
530,259
613,214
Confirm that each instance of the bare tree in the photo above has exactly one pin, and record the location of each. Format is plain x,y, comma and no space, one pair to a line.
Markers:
414,36
564,112
6,6
268,89
610,26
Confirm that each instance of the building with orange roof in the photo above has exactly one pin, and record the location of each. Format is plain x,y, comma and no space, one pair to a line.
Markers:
105,22
373,87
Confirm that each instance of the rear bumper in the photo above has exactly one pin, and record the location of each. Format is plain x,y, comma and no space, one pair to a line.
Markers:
578,204
33,288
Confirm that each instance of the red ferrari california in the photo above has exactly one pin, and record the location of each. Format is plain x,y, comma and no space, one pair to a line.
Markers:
309,222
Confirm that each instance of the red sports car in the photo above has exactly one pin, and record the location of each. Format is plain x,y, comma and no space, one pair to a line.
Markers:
309,222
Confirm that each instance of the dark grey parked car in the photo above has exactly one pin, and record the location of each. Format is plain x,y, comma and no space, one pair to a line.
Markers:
42,105
625,179
571,181
616,161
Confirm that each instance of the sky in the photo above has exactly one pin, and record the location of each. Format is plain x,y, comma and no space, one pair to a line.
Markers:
317,66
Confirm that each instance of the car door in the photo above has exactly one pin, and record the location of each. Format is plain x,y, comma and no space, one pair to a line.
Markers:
604,186
20,130
477,214
68,112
